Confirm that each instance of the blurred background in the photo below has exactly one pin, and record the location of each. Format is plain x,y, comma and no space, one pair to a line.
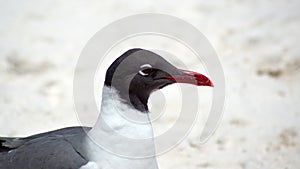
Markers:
257,42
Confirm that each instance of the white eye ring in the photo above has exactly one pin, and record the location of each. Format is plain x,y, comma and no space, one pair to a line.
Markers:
144,67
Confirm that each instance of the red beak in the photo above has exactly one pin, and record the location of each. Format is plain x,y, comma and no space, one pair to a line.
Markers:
191,78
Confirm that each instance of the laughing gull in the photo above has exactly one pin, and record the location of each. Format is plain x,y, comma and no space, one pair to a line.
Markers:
122,124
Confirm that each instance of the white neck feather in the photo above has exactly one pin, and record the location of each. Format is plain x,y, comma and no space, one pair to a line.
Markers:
122,137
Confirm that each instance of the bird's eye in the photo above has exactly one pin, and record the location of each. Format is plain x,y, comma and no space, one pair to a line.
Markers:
145,70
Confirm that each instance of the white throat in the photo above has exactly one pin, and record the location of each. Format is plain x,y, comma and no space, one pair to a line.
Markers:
122,137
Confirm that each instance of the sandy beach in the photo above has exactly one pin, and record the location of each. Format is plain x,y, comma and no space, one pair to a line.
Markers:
257,43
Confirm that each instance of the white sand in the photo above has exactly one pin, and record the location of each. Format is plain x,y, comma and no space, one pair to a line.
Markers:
257,42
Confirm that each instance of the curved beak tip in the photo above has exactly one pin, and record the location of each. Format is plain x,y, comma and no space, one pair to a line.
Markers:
203,80
207,83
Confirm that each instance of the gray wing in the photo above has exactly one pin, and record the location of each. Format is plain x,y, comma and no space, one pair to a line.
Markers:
8,143
60,149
